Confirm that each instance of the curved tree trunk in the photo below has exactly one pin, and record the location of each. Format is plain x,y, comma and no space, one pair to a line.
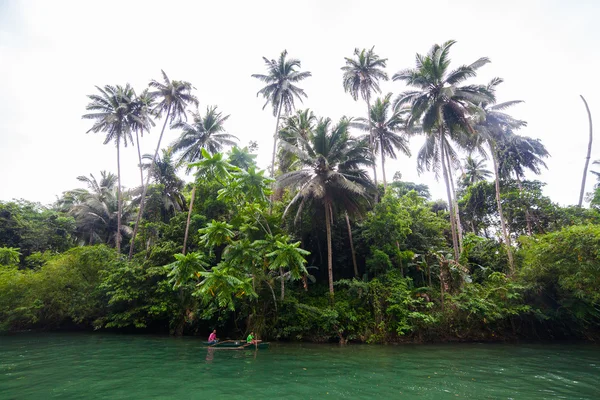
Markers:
589,151
145,188
450,208
189,218
501,214
371,148
119,198
459,230
329,255
383,166
351,245
275,141
282,283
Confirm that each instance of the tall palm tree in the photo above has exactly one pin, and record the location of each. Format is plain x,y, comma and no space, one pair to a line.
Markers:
474,171
496,128
280,90
111,114
205,135
172,99
361,78
589,151
443,108
387,130
140,120
330,174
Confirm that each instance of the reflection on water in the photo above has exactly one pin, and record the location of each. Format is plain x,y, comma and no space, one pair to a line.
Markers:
100,366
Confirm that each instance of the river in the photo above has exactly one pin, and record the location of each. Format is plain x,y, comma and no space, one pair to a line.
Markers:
110,366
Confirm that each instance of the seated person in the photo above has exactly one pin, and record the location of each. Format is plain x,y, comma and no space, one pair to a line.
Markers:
212,338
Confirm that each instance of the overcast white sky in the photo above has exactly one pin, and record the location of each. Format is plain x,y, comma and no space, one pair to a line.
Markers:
52,53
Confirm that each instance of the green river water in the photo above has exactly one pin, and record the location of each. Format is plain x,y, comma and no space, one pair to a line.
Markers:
102,366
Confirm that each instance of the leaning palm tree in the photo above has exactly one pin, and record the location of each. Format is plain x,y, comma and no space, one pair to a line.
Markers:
172,99
329,174
589,151
361,78
443,108
280,90
205,135
388,130
111,112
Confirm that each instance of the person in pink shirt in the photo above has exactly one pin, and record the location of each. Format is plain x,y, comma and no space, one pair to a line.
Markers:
212,338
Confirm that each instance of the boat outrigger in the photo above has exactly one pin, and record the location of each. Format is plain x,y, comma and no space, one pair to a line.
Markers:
237,345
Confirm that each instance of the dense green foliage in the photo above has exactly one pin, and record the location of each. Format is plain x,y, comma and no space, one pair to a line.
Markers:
314,250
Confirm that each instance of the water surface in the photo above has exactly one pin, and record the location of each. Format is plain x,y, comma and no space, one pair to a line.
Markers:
103,366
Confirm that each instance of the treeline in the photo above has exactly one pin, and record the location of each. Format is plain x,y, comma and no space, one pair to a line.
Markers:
315,248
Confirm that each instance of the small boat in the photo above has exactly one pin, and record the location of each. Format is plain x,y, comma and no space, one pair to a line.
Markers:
236,345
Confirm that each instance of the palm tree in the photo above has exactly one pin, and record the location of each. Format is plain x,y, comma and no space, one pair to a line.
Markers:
475,171
361,78
140,120
164,173
515,154
443,108
329,174
496,129
173,98
96,210
301,125
386,130
111,113
589,151
204,136
280,90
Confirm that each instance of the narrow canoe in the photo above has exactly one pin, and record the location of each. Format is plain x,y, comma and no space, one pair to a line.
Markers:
236,344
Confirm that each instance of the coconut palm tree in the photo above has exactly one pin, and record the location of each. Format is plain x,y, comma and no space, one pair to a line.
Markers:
111,111
205,135
281,90
171,99
301,125
164,173
96,210
496,130
387,130
361,78
205,132
443,108
589,151
329,174
474,171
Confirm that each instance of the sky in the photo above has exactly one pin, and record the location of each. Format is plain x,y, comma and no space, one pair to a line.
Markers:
53,54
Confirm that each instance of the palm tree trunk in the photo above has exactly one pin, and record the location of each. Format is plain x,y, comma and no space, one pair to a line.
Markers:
189,218
589,151
371,148
329,255
351,245
450,208
527,215
383,165
455,205
145,187
119,198
275,141
501,214
137,141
